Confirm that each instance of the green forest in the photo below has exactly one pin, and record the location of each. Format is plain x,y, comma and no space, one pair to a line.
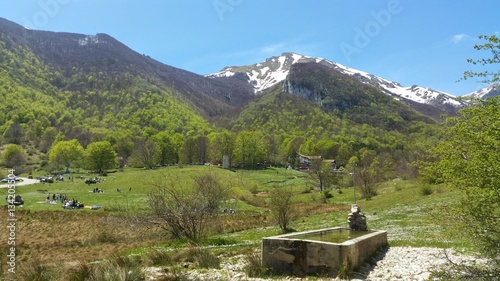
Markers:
147,123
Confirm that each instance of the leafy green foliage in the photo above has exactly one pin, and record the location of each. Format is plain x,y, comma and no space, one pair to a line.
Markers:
66,153
492,44
469,159
84,104
125,98
13,156
248,149
100,156
146,153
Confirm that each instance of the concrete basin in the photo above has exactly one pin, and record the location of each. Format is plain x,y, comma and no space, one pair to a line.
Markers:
320,252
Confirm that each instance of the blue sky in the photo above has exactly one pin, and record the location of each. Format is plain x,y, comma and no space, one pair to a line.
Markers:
420,42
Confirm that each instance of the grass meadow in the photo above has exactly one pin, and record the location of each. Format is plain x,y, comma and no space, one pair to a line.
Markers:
59,240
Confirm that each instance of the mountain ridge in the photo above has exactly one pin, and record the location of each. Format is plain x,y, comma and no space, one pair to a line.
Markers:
93,88
101,54
99,77
484,93
274,70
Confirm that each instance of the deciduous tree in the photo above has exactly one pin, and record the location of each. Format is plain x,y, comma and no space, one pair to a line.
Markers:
13,156
491,44
168,152
187,211
469,159
321,174
146,152
100,156
281,206
249,149
66,153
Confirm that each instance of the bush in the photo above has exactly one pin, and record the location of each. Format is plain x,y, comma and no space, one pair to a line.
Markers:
368,191
208,260
83,271
254,189
159,257
104,237
186,212
326,195
35,271
124,268
201,257
281,206
425,190
253,266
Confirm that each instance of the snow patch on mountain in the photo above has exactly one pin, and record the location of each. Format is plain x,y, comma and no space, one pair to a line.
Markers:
274,70
484,93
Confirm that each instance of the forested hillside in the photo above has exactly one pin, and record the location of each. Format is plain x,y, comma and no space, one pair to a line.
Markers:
39,97
59,87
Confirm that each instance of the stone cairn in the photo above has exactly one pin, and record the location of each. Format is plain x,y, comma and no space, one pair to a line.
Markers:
357,221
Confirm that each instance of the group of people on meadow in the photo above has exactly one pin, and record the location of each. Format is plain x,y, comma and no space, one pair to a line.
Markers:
67,203
55,197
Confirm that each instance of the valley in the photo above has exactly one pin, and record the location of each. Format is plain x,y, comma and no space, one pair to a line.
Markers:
179,172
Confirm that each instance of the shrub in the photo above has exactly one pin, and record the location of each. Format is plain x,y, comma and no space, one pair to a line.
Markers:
368,191
307,189
35,271
103,237
83,271
159,257
254,189
124,268
186,212
208,260
253,266
201,257
176,273
425,190
345,270
281,206
326,195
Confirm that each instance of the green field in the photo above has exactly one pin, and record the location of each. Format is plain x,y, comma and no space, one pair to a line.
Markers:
408,216
401,208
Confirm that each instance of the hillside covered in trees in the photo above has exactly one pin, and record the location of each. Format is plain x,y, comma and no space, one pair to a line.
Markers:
60,87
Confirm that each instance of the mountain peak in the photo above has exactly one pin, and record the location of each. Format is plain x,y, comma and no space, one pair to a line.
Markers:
486,92
268,73
275,70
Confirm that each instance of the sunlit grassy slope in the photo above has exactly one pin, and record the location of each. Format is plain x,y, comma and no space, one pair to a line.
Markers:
400,208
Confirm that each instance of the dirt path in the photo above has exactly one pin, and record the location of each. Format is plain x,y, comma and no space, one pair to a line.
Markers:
24,181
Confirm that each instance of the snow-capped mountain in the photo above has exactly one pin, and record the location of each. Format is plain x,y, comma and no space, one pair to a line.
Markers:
268,73
275,70
484,93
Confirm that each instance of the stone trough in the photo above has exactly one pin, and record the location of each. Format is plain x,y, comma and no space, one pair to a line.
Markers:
320,252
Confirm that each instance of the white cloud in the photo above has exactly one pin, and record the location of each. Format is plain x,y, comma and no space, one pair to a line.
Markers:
274,49
257,54
459,38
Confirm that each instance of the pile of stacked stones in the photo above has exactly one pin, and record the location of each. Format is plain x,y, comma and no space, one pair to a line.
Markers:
357,221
